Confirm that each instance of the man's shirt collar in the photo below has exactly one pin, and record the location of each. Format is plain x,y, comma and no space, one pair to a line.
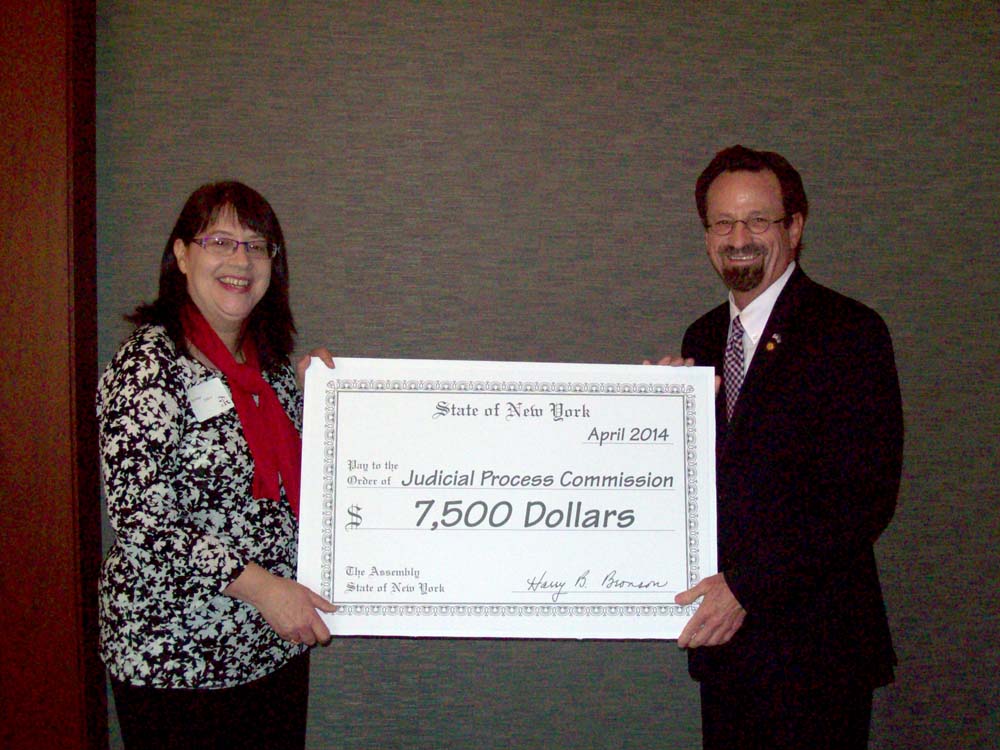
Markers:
755,315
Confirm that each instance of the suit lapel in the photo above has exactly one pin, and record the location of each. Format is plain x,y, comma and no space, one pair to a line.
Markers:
778,337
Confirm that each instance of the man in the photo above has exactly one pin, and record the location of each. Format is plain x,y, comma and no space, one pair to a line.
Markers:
791,637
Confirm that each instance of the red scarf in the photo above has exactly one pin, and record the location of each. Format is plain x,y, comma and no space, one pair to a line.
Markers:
274,442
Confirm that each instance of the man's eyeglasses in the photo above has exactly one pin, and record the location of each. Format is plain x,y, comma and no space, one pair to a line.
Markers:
224,247
756,225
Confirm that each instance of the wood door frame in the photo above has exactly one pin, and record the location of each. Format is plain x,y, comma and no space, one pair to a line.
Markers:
52,684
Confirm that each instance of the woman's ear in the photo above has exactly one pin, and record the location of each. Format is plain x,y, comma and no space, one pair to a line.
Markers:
180,253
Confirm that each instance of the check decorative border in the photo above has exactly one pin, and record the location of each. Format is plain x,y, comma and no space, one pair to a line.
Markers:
514,610
375,385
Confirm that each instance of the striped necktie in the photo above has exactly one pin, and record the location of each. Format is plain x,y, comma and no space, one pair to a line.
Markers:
733,366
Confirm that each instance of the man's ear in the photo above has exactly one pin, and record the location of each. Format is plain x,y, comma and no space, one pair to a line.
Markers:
795,231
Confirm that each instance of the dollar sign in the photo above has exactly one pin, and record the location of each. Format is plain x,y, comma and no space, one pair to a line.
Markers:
353,512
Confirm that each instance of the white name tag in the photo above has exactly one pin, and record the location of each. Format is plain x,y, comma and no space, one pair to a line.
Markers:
210,399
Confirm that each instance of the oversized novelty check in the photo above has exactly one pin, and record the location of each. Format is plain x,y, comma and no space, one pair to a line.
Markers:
501,499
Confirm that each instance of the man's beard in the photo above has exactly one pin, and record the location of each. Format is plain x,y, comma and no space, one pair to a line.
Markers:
743,278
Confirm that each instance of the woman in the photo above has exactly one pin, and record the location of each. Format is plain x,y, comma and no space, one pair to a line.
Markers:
203,629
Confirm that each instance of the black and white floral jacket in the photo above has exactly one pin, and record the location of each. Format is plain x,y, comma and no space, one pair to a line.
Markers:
180,503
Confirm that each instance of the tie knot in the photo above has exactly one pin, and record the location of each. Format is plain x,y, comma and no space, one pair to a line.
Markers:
737,326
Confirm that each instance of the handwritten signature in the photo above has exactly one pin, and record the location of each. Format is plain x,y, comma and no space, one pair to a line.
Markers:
611,581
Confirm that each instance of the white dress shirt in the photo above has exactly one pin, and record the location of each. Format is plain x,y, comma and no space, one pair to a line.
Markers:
755,315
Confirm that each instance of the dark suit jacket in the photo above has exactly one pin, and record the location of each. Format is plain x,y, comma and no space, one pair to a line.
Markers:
807,474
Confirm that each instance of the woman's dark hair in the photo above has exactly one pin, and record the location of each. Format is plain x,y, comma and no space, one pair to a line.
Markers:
270,324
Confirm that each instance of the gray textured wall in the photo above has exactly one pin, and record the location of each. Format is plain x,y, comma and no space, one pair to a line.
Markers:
514,181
